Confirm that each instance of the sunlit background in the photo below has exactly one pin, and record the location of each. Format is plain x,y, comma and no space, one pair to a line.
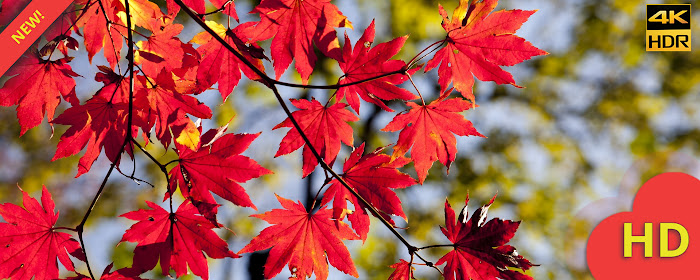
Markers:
595,119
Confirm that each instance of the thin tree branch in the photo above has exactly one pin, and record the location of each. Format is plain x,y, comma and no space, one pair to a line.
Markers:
435,246
223,7
137,180
81,227
272,84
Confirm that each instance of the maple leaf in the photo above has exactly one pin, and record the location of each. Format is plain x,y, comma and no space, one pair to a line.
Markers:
216,166
372,176
402,271
29,243
163,43
325,127
296,27
169,106
479,43
177,240
98,124
37,88
100,32
219,64
429,131
364,62
142,13
479,246
304,240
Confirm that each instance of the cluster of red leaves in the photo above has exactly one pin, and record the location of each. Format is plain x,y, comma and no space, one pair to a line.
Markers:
163,99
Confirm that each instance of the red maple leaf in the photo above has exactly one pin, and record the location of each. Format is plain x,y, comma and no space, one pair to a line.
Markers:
478,43
218,64
162,44
402,271
372,176
479,246
304,240
177,240
298,26
364,62
100,123
29,243
428,130
325,127
167,104
37,88
98,33
216,166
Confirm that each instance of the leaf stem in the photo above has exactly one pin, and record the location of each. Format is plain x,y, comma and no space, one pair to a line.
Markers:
414,86
223,7
435,246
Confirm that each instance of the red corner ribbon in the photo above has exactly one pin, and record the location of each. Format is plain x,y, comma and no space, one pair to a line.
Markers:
26,28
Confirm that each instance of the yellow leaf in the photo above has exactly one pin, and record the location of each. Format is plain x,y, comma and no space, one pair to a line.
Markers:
189,136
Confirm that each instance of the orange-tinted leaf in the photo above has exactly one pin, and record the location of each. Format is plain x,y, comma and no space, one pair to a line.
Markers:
428,130
478,43
304,240
402,271
162,50
29,244
325,127
142,13
298,26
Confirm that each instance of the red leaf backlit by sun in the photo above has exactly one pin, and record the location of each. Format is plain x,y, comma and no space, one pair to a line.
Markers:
364,62
218,64
325,126
478,43
29,244
153,90
216,167
304,240
177,240
373,176
298,26
428,130
37,88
